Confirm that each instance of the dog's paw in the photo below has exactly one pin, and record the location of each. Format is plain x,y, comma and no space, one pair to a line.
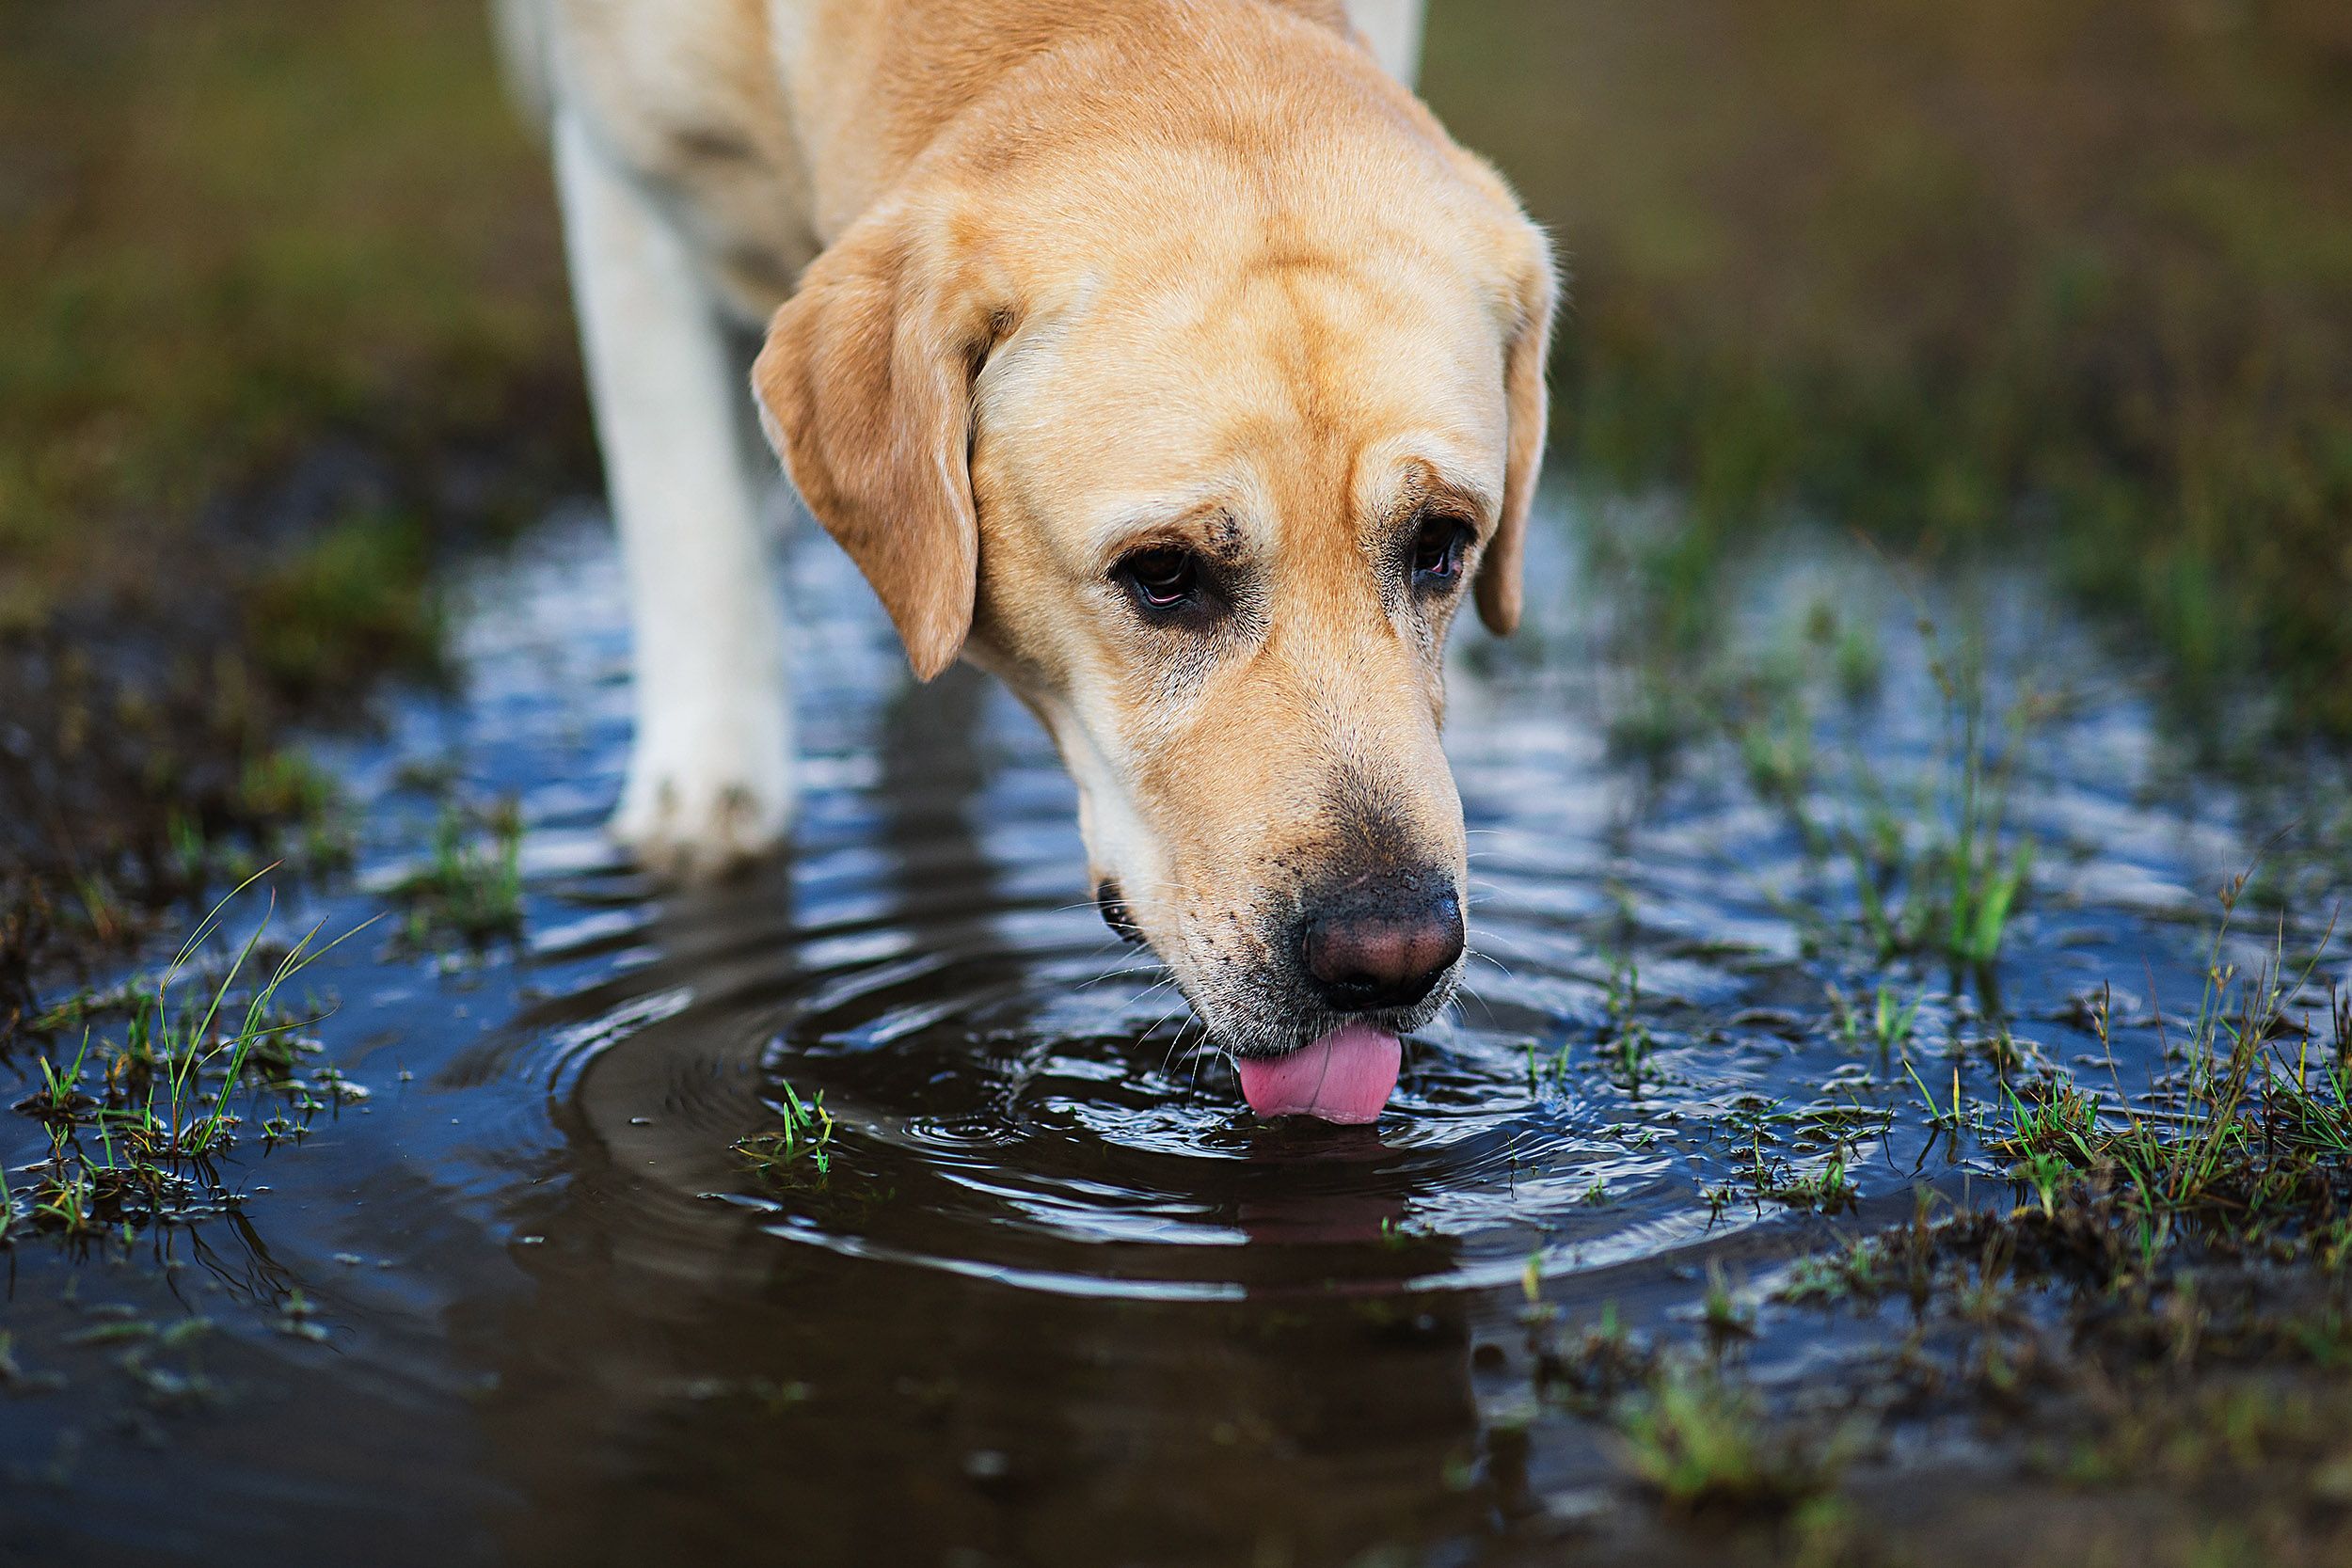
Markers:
689,817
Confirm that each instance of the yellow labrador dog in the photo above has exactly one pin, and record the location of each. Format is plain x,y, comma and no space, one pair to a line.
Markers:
1163,356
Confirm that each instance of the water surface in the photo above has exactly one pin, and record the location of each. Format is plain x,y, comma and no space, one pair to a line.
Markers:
1058,1298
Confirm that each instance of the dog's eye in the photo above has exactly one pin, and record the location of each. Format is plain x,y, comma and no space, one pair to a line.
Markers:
1438,550
1161,580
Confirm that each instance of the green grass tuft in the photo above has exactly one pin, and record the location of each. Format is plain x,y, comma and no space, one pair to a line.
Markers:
2251,1143
1702,1443
798,1151
471,889
135,1124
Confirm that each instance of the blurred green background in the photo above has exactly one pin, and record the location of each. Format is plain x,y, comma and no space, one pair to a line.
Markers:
2071,278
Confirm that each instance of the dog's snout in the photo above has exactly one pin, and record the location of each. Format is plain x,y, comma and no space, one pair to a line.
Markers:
1381,943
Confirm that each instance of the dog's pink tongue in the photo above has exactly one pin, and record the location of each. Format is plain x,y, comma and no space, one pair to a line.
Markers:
1345,1076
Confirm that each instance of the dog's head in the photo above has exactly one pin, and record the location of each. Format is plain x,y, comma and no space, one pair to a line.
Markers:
1201,448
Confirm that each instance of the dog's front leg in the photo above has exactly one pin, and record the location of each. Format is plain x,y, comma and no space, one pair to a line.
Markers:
709,780
1392,28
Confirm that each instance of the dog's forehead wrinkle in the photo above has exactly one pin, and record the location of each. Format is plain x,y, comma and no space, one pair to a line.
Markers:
1367,323
1210,530
1422,471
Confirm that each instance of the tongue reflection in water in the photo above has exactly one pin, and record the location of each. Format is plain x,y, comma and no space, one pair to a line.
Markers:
1346,1076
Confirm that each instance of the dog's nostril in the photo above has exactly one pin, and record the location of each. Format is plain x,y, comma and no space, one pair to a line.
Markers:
1114,907
1367,953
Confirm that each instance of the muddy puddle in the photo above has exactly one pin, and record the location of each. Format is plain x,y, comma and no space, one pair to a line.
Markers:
507,1289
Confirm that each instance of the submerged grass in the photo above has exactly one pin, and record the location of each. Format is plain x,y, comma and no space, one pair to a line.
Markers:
1628,1045
798,1152
2248,1144
2167,1301
136,1125
1687,1427
1625,1047
1916,856
2219,1390
1886,1026
2165,1309
1961,877
1936,869
470,890
1701,1441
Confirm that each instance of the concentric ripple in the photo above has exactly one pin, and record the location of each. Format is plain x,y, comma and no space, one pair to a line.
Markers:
1015,1096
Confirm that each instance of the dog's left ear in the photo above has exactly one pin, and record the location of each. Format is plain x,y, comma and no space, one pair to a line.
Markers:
1527,346
865,388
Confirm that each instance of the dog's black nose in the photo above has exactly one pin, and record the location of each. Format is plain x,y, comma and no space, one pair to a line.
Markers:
1115,916
1381,942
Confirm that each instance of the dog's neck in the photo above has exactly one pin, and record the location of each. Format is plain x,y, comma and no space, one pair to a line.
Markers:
874,91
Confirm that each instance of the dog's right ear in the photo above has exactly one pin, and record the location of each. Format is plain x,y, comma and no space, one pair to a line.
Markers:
1535,292
865,388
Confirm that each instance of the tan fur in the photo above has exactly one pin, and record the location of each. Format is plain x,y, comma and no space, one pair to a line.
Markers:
1089,276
